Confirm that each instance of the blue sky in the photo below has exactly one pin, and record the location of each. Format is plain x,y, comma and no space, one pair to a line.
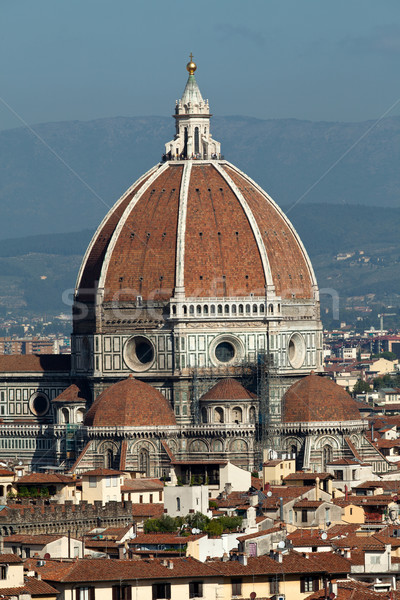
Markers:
309,59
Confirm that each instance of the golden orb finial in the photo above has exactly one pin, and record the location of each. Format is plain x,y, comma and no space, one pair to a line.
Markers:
191,66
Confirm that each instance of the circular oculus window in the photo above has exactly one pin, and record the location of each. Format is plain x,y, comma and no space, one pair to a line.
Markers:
296,350
39,404
225,350
139,353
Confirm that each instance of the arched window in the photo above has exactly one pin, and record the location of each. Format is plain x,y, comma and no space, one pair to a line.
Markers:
205,309
237,414
174,309
191,309
212,309
226,309
218,415
144,461
196,140
178,504
262,308
327,455
204,415
184,310
247,309
271,309
234,309
240,309
79,415
219,309
198,309
255,309
65,415
252,414
109,459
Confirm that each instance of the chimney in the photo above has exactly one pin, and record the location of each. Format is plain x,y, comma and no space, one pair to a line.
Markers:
348,553
38,577
225,557
170,564
242,558
228,488
279,557
317,488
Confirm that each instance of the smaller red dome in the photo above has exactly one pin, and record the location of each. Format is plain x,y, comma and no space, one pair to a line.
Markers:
316,398
130,403
228,389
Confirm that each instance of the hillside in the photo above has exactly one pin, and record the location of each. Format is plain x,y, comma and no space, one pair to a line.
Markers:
39,194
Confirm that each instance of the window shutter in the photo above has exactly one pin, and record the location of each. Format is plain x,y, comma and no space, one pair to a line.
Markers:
302,585
128,595
114,592
168,591
200,589
91,593
154,591
77,593
315,584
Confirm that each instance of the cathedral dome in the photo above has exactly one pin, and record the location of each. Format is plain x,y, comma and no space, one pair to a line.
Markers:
195,226
316,398
130,403
201,228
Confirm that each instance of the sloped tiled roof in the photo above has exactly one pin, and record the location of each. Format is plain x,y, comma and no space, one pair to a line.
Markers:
27,363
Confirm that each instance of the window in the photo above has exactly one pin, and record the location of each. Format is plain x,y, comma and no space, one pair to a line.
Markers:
84,593
309,584
196,589
304,515
236,587
178,504
115,481
92,482
108,481
161,591
151,499
274,585
338,473
121,592
3,571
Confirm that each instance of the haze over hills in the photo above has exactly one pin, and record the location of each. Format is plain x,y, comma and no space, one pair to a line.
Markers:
39,194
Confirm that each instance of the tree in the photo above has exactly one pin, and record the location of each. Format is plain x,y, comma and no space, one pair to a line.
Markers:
361,387
197,520
388,355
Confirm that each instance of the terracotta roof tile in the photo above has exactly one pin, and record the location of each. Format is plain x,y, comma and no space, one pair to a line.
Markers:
316,398
130,402
228,389
26,363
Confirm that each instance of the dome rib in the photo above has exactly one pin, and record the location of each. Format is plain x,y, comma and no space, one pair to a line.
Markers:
254,226
181,233
294,255
90,269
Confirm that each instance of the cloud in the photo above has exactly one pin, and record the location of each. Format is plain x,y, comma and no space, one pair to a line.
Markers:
235,32
384,39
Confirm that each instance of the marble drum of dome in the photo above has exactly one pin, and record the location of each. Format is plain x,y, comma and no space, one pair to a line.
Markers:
195,266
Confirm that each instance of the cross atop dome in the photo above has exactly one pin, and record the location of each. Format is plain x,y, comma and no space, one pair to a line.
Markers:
193,139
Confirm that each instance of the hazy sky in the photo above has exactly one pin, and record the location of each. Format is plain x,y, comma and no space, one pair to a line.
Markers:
307,59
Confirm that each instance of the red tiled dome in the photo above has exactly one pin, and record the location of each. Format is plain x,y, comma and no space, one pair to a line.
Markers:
130,403
316,398
232,238
228,389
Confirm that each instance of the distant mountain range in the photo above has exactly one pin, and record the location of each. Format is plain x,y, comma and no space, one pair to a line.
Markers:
39,194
